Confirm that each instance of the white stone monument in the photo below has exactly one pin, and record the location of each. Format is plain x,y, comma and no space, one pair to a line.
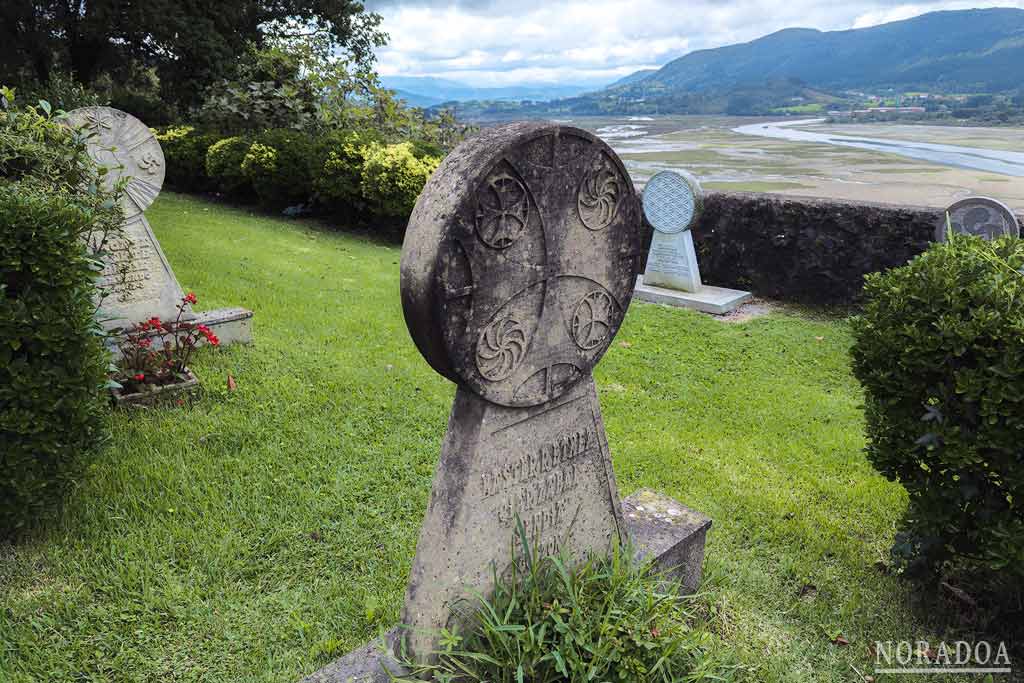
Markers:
672,204
137,279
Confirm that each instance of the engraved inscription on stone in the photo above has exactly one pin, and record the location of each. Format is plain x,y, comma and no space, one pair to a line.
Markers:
134,273
518,266
547,466
981,216
137,281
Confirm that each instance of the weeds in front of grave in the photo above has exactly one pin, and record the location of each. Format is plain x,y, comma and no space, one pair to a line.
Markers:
608,619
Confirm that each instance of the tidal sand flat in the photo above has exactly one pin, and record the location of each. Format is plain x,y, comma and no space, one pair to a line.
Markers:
726,160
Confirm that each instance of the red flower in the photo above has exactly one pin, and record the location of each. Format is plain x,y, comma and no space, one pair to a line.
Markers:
146,342
190,298
139,377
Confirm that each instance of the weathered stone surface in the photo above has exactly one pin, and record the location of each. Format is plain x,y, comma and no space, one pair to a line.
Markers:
125,146
368,664
548,464
517,269
982,216
668,533
137,278
520,259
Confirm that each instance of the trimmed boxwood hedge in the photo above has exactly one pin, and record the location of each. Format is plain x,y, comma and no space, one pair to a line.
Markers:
940,352
53,364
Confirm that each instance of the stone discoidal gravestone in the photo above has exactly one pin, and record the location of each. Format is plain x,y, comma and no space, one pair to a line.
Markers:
137,280
981,216
673,203
517,269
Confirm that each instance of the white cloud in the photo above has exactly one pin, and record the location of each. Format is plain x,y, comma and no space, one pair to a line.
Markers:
592,42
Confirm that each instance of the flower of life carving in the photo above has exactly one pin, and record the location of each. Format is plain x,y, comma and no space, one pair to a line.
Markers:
592,320
503,209
598,197
499,350
671,202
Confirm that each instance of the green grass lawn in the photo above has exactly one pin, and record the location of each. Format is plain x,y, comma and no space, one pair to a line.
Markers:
256,534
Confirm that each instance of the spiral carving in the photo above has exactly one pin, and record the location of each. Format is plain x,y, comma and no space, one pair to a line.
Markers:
500,348
599,195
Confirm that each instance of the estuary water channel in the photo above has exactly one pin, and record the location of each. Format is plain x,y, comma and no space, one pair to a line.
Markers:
992,160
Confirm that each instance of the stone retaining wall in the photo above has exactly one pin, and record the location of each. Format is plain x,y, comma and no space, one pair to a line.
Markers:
806,249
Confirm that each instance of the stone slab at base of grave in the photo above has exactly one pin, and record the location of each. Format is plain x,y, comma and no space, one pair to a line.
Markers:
662,530
708,299
672,204
137,277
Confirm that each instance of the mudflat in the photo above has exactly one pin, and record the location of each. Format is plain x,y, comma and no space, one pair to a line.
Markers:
726,160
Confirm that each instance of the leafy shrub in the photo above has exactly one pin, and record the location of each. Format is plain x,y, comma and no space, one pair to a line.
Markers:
393,177
52,361
940,351
224,166
61,91
185,153
608,619
280,165
338,185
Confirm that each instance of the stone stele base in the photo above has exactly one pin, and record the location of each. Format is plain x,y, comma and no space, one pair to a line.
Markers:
664,531
715,300
231,325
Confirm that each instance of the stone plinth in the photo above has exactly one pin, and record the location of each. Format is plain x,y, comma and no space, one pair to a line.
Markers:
669,534
714,300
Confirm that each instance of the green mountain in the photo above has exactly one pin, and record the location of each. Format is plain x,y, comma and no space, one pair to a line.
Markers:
968,51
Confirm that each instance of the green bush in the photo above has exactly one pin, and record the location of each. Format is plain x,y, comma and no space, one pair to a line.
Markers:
281,165
608,619
940,352
185,155
337,186
224,166
393,177
52,361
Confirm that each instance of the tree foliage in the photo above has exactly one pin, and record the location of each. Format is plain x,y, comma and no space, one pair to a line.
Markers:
187,45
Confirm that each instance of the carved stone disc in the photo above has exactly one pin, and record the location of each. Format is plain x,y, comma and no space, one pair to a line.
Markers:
672,202
520,259
980,216
128,148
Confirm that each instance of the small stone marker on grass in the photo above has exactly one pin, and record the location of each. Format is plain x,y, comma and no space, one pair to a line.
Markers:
518,267
982,216
137,278
672,204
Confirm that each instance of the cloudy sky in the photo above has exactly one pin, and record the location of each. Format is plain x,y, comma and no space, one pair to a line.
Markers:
593,42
